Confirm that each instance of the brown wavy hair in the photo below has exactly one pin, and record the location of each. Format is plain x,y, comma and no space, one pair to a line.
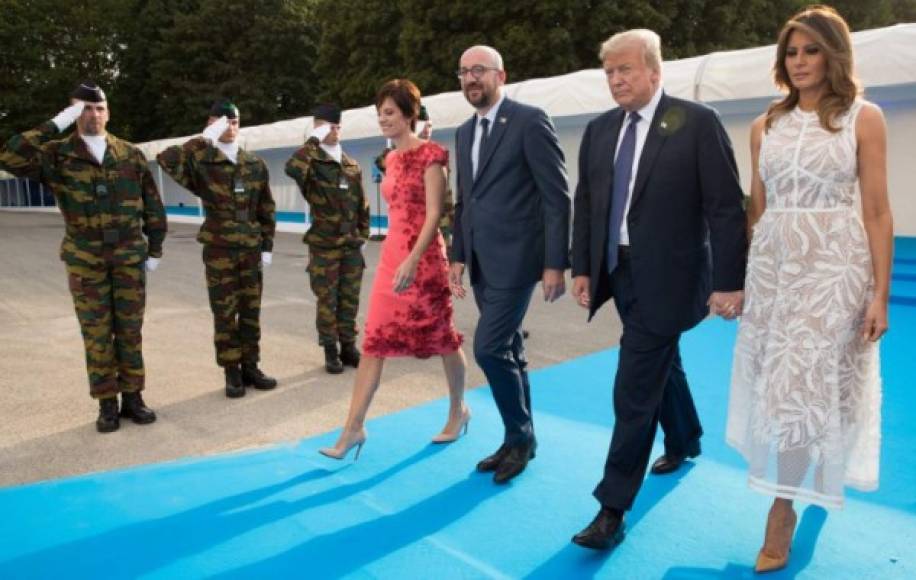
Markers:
406,97
831,33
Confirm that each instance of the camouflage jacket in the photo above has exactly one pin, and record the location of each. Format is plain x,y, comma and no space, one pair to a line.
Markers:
448,204
239,208
107,207
334,191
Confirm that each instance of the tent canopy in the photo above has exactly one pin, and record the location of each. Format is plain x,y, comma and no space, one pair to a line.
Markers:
884,57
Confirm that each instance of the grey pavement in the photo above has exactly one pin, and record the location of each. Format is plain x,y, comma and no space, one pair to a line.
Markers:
47,427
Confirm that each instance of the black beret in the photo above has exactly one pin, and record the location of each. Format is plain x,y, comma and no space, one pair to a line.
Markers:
90,92
224,107
424,115
327,112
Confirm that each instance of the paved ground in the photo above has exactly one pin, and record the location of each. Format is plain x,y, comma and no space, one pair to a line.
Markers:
47,418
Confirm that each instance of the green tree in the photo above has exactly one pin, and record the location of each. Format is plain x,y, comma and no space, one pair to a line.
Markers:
260,56
48,48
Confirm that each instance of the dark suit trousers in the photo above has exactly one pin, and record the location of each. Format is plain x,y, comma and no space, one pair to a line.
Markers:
499,350
650,387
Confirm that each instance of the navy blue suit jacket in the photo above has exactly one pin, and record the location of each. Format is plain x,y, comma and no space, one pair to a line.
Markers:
686,221
515,216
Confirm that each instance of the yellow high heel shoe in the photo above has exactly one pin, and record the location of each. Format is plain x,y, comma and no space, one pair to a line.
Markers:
462,429
339,452
774,555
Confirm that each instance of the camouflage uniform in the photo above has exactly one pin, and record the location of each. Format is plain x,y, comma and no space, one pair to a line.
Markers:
448,204
340,225
103,248
239,225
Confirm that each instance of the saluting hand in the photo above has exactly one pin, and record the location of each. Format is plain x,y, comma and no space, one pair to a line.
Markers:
216,129
69,115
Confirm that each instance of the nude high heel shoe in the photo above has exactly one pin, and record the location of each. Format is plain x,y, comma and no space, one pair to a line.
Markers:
774,555
462,429
346,442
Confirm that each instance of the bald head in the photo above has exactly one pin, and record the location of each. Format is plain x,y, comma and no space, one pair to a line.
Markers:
483,53
481,73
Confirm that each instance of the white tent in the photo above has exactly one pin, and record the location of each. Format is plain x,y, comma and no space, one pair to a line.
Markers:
737,83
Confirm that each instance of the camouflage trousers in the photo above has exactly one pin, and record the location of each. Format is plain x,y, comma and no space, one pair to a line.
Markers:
234,284
109,301
336,276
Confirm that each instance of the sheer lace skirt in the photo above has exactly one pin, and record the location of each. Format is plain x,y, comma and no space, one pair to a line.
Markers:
805,397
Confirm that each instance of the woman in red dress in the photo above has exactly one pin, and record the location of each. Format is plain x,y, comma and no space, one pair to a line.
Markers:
410,307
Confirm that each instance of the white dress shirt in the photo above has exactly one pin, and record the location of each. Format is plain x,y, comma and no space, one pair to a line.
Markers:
491,117
642,131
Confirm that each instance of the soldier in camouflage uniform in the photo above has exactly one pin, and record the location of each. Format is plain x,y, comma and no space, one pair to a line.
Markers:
109,201
237,237
424,131
331,183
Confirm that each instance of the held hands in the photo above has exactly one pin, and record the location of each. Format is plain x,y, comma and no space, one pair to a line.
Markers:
455,273
875,324
69,115
580,291
216,129
405,274
554,284
152,263
728,305
267,258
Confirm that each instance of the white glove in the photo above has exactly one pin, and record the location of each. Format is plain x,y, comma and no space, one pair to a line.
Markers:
216,129
321,132
152,263
67,117
267,258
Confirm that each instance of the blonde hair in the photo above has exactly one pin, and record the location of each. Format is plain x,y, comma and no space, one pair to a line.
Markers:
831,34
646,39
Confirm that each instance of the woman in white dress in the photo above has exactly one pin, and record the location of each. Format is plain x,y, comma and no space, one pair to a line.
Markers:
806,393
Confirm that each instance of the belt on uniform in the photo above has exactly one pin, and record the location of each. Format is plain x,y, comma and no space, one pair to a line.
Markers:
239,215
108,236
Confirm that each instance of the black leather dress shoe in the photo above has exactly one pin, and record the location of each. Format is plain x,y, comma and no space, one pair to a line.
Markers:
515,462
108,420
669,463
606,531
133,407
491,462
252,376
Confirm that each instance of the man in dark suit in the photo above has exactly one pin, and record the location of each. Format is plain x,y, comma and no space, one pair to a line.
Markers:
511,230
658,226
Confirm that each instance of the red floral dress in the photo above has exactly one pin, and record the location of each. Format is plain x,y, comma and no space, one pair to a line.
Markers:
418,321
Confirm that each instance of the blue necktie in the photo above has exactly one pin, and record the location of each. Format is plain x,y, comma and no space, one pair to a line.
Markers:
623,170
484,134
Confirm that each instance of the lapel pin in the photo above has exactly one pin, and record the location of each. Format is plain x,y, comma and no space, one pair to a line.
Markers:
664,125
502,120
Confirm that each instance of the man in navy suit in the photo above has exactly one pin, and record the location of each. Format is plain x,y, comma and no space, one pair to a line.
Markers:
511,230
658,226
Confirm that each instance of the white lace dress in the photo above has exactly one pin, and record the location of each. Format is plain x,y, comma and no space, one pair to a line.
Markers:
805,406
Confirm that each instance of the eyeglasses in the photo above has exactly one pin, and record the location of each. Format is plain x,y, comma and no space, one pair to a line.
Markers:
476,71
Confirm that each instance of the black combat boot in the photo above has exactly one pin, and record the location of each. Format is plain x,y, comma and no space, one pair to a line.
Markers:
108,420
332,362
253,377
133,407
349,354
235,388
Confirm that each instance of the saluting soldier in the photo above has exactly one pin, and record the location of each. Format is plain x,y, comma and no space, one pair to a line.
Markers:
332,184
237,237
109,201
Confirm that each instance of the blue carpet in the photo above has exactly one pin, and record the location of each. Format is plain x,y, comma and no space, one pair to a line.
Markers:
407,509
